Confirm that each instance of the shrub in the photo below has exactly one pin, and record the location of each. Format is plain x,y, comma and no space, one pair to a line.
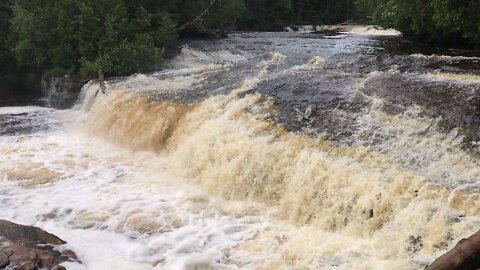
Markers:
130,56
80,36
89,69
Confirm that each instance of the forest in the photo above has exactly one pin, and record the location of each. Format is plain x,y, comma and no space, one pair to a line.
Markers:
79,37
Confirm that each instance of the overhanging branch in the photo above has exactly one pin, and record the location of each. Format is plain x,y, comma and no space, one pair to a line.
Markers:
190,23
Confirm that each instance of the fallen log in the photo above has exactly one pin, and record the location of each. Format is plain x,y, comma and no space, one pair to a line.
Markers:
465,255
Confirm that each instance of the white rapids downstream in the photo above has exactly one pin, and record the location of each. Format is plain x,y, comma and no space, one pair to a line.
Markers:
160,173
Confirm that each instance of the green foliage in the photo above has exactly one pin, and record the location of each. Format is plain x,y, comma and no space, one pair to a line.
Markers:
328,12
450,22
458,20
220,15
365,10
88,69
129,56
55,35
224,12
163,27
82,36
5,15
264,13
269,12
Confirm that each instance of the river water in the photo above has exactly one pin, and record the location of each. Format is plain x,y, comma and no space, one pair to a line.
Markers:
355,150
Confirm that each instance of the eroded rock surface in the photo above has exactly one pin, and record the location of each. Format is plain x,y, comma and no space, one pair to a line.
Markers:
62,92
28,248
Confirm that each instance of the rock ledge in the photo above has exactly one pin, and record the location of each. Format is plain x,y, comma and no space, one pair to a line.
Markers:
30,248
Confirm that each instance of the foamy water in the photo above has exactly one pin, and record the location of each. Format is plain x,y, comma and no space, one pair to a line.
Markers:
20,110
132,181
117,211
346,28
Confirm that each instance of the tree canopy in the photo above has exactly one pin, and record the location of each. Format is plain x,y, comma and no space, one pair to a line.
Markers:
446,22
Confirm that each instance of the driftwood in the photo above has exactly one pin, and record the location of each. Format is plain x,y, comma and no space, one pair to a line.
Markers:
190,23
465,255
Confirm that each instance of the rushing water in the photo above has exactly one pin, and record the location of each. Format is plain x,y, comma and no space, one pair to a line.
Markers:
259,151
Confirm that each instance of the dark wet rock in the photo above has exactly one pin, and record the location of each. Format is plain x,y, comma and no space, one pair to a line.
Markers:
4,261
457,104
328,101
416,244
30,248
62,92
309,102
27,123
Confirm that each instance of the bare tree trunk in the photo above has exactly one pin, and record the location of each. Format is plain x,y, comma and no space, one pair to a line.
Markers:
190,23
465,255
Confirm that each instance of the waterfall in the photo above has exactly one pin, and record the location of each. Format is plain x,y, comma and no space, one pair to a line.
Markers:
261,151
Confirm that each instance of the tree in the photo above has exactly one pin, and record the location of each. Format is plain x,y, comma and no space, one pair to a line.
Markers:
5,15
268,13
209,16
327,11
457,20
446,22
65,36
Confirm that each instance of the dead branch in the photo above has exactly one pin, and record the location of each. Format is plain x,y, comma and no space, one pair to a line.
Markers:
190,23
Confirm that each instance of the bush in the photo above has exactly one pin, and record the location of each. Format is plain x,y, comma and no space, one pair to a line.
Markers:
80,36
130,56
88,69
446,22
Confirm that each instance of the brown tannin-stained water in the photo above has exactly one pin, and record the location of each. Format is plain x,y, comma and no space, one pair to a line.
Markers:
289,150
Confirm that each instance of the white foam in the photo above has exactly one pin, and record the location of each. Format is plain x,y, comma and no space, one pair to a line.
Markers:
122,209
444,57
187,70
315,63
21,110
361,30
374,30
467,79
116,212
301,28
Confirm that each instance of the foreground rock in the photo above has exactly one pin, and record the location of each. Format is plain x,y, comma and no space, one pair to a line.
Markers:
465,255
29,248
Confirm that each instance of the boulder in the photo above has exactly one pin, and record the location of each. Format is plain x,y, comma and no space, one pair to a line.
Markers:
62,92
31,248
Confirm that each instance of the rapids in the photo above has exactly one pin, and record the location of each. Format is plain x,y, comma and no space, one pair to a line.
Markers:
351,150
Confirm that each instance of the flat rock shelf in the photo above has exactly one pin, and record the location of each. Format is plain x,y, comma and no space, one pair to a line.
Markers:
30,248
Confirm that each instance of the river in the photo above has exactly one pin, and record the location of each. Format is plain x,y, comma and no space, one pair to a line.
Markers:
290,150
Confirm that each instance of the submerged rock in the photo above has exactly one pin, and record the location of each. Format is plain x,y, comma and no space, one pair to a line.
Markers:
29,248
